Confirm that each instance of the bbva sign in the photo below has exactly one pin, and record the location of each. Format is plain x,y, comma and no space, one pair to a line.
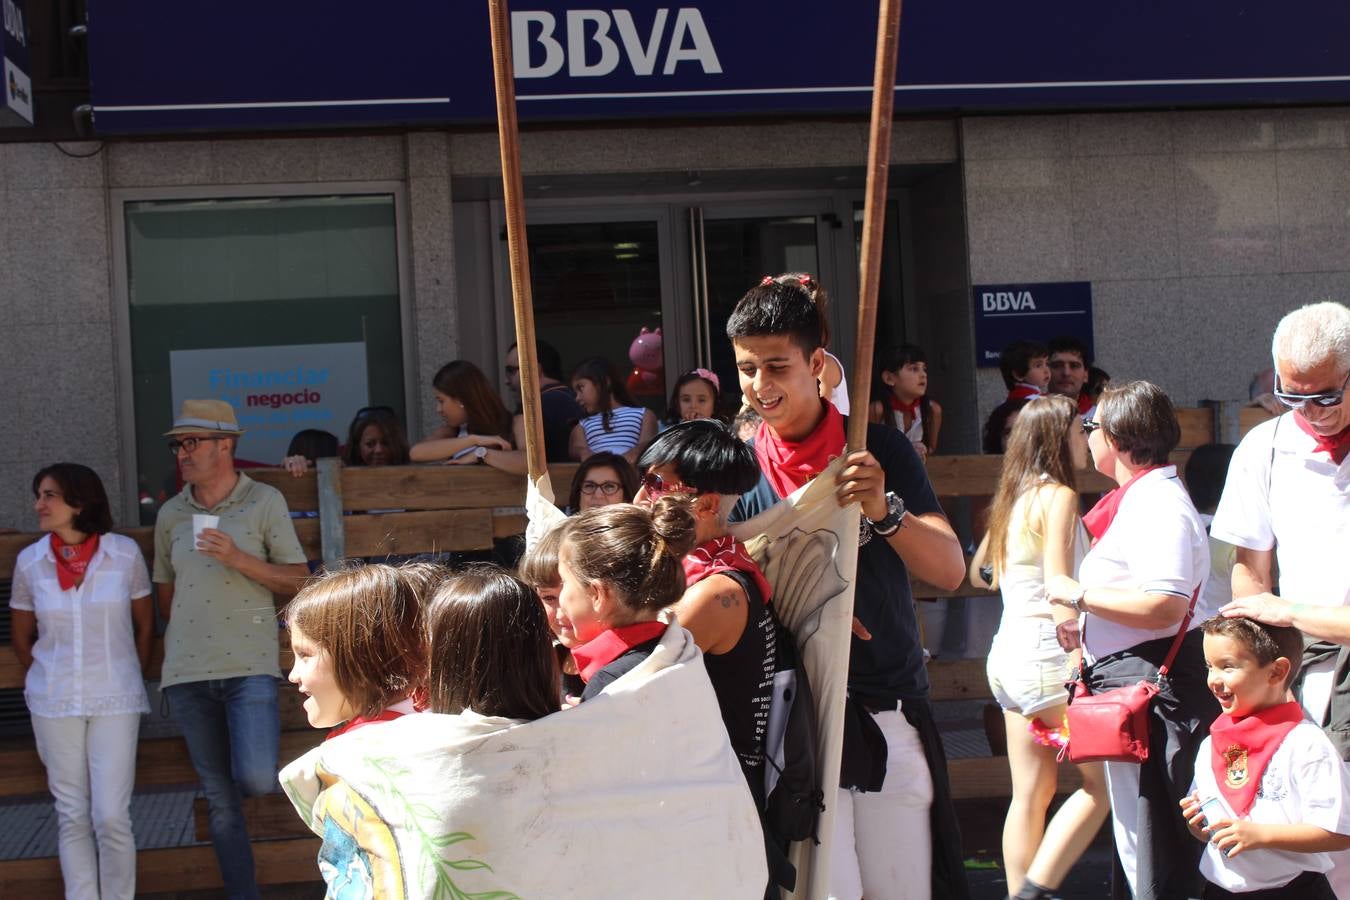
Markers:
592,50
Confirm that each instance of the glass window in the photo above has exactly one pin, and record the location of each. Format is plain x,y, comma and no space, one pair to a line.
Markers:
596,286
286,307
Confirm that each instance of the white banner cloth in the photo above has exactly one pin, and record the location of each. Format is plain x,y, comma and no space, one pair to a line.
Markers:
808,548
635,793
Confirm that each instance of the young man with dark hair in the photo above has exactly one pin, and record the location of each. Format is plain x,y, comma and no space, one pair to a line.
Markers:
1026,369
897,838
560,410
1069,364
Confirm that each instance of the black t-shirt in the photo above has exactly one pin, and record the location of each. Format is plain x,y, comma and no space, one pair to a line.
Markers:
890,666
560,412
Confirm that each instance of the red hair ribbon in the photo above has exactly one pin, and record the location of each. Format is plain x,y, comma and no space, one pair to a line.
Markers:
768,280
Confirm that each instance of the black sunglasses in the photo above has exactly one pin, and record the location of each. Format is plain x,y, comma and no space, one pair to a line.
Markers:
190,443
1323,399
656,486
1090,426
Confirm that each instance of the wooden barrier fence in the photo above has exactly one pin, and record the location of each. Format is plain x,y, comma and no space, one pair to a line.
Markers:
424,509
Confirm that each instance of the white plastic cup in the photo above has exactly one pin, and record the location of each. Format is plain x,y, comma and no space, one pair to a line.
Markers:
201,521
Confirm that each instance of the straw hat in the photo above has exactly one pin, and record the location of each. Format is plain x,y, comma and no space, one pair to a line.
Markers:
196,416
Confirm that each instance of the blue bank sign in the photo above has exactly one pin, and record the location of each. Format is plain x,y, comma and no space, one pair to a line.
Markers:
17,106
1030,312
166,65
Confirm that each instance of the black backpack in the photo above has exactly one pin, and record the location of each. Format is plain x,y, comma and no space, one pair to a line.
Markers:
794,799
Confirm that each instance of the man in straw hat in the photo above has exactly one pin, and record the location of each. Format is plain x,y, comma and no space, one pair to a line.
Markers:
223,547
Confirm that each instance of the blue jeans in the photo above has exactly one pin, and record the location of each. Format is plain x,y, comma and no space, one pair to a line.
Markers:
233,730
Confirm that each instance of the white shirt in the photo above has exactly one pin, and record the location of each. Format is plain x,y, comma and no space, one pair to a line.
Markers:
84,659
839,396
1157,544
1304,783
1280,494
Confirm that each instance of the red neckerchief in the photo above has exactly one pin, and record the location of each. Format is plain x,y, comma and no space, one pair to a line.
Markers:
1100,517
788,465
1085,403
720,555
1337,446
901,406
608,646
1023,391
72,559
384,715
1240,750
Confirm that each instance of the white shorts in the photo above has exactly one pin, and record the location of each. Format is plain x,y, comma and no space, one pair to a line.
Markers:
1027,668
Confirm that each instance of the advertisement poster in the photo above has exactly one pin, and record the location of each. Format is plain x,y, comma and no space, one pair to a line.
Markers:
1029,312
276,391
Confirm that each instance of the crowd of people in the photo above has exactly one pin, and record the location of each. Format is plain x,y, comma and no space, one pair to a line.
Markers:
1207,588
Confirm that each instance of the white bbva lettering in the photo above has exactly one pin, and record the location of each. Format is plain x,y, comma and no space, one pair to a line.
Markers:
689,42
1006,301
14,23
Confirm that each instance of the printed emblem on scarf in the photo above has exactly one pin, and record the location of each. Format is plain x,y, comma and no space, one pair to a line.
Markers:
1236,775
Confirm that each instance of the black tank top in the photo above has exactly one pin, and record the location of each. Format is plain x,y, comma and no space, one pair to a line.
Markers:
742,678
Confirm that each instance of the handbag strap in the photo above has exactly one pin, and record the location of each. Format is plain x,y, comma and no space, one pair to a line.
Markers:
1181,634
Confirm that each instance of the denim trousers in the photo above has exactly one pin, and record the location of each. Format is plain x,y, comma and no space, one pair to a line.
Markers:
233,729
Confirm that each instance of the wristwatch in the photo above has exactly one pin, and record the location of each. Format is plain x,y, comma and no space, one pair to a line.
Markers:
889,524
1076,601
480,453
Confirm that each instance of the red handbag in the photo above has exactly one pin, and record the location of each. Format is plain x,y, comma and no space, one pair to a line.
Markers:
1113,726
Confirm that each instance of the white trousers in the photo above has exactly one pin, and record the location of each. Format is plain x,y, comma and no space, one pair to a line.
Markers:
882,846
1318,683
91,766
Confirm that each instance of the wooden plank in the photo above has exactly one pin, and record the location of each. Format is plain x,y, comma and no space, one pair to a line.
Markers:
269,817
977,476
958,679
159,761
419,532
983,777
430,487
1197,427
1251,416
302,494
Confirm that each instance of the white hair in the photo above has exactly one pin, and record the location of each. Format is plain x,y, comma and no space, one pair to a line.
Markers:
1313,335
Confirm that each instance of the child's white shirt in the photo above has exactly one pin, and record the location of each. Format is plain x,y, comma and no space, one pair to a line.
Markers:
1304,783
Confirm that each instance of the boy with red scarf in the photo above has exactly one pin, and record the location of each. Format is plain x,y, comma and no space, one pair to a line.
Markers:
1270,794
894,838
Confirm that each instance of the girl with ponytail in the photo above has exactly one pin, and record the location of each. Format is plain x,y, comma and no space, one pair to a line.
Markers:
620,566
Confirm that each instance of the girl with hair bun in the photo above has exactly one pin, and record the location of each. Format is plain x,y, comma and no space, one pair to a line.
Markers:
620,566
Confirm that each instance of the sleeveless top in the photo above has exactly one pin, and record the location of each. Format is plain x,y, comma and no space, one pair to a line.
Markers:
839,396
1022,579
742,679
625,428
915,430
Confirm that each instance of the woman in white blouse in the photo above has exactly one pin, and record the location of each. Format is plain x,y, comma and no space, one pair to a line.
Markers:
82,626
1149,555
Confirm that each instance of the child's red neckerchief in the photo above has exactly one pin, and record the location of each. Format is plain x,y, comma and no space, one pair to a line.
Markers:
608,646
790,464
910,409
1023,391
384,715
1241,748
720,555
1100,517
72,559
1337,446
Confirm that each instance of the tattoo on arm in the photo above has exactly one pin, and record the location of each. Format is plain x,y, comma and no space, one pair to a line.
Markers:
729,599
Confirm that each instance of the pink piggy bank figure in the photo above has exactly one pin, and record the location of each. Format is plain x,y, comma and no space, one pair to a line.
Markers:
648,377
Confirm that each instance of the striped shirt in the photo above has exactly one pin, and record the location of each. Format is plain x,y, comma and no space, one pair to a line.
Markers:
625,428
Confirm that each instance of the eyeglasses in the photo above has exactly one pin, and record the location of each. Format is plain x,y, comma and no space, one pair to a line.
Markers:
1323,399
1090,426
608,488
655,486
190,443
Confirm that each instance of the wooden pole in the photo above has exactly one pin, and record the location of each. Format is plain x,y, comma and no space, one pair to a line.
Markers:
508,134
874,218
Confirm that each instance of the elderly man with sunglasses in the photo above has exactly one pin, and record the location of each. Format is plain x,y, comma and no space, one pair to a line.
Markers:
1286,507
215,587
